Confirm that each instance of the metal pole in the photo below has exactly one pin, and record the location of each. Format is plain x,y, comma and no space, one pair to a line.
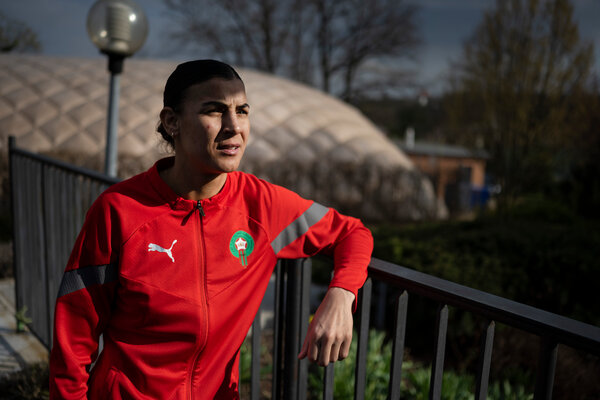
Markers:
110,164
115,66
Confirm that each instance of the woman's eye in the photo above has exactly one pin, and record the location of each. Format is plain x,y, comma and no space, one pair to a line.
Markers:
242,111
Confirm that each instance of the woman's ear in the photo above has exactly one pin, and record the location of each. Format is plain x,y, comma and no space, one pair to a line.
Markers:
169,120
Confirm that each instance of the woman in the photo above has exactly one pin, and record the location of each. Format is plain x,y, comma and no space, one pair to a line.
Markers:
172,264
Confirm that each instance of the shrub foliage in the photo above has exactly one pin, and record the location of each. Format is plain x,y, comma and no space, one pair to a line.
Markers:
537,253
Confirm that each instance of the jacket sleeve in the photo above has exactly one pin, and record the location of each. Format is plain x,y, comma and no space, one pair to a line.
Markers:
83,304
302,228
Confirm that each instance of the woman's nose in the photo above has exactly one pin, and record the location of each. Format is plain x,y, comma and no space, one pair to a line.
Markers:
230,122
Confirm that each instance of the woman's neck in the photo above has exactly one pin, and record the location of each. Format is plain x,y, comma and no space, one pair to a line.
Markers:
193,186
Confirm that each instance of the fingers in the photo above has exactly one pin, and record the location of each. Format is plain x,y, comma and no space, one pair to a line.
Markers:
335,352
313,351
345,348
328,350
304,349
330,332
323,357
339,350
310,347
320,351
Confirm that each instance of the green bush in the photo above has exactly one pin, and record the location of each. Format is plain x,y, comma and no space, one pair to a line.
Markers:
454,387
266,366
379,355
30,383
415,378
537,253
458,387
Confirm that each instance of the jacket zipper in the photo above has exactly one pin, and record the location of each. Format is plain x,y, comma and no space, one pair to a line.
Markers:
202,254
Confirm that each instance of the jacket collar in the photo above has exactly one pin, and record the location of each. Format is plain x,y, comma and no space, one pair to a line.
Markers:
172,198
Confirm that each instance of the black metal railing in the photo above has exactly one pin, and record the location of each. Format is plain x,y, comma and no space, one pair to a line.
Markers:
49,202
551,329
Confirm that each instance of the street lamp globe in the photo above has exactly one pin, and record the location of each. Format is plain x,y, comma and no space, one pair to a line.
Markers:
117,27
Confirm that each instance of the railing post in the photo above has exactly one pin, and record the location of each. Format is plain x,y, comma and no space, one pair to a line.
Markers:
15,220
328,382
296,316
45,198
278,323
398,346
304,315
364,311
255,365
485,361
292,327
544,380
439,350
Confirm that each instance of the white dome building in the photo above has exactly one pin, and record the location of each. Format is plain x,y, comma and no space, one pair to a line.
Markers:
301,138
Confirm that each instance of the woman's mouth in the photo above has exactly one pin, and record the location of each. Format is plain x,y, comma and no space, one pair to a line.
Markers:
229,149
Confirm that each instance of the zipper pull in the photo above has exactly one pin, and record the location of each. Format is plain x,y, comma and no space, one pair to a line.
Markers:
199,206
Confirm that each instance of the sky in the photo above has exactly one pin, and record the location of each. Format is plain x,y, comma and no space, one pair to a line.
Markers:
444,25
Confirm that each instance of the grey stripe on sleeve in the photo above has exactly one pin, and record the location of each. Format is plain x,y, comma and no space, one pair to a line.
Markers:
87,276
299,227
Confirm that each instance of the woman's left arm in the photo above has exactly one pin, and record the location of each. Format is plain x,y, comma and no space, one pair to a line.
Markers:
329,335
319,229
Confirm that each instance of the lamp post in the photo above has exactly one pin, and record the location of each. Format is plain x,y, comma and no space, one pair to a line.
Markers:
118,28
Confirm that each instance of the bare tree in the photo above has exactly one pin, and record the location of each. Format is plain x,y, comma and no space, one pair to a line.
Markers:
16,36
299,64
252,33
519,72
354,32
319,41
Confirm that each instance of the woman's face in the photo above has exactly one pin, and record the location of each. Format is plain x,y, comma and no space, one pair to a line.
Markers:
212,127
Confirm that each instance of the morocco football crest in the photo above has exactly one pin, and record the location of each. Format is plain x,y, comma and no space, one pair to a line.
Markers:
241,246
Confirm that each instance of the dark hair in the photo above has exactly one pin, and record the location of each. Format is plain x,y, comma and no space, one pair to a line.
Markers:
188,74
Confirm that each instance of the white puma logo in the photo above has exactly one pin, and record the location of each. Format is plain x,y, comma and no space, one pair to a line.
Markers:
155,247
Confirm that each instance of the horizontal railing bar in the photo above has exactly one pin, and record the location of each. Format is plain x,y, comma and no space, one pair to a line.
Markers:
562,329
65,166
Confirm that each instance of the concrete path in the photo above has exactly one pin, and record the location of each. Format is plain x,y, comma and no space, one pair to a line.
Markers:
16,349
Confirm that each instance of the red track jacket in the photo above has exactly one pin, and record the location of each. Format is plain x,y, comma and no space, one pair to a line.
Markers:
174,284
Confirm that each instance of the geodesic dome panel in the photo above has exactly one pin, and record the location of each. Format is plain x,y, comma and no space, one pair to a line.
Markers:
301,138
